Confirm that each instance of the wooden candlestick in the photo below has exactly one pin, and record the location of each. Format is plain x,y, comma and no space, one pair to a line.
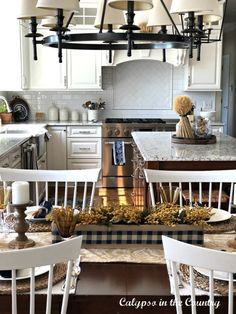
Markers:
21,226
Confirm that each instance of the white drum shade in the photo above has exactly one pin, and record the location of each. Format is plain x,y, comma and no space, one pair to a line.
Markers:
67,5
27,9
112,16
215,15
184,6
138,4
158,15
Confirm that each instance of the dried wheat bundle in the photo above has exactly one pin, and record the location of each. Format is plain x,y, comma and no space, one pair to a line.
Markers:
182,105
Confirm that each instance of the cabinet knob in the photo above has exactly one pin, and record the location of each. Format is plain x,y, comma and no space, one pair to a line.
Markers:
117,132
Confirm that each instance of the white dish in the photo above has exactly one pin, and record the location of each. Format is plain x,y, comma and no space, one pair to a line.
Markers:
217,274
25,273
219,215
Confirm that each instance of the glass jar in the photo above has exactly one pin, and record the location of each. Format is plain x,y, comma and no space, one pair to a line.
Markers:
202,127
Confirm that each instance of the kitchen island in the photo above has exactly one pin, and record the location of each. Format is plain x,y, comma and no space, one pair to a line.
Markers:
155,150
158,152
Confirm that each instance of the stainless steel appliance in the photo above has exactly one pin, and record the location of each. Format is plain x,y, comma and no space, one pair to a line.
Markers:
120,129
34,157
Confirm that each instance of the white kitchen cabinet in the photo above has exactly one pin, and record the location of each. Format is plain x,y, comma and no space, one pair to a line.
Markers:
46,72
84,163
10,53
206,73
79,70
56,148
15,158
217,128
84,69
12,160
84,147
4,162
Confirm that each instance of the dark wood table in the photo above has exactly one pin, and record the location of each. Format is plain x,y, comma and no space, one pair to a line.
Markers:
115,288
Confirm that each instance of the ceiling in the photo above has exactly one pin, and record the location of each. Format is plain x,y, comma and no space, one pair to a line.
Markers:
231,12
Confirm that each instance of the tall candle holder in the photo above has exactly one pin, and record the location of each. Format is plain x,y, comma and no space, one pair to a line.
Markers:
21,226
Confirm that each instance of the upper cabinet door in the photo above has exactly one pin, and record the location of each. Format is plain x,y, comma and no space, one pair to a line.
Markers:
10,52
46,72
84,69
206,73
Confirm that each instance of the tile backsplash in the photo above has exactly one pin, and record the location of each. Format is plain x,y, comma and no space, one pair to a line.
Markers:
132,89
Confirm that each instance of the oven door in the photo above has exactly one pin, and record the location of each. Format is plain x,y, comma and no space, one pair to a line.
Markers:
117,175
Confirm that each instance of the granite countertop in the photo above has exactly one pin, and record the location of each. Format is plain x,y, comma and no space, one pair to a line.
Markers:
67,123
8,142
157,146
11,141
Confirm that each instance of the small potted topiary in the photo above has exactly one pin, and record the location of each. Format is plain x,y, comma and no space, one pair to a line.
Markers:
5,115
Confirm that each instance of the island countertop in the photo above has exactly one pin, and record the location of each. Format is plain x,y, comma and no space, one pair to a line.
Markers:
157,146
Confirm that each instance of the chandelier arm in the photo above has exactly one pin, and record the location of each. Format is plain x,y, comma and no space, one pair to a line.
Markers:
223,19
163,55
68,22
103,15
182,21
60,19
110,53
170,17
34,36
199,50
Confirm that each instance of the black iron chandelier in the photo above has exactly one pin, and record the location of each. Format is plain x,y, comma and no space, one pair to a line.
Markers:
178,24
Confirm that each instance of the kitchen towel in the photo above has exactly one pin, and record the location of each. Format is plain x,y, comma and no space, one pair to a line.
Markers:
119,153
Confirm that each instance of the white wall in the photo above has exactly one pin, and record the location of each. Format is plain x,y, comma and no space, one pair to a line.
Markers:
135,89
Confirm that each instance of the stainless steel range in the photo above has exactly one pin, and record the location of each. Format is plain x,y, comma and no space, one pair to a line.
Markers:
120,129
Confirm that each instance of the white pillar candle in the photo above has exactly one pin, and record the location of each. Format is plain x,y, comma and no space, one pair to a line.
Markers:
20,192
234,201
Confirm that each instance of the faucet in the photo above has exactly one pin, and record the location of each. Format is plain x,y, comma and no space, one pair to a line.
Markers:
6,103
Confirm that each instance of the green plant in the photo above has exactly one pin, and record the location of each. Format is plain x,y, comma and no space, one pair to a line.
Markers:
3,107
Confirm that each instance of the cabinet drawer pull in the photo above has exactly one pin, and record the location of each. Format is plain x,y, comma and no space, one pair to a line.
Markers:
17,156
83,132
84,148
111,143
6,165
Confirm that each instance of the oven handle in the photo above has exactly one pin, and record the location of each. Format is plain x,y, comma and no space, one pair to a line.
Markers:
111,143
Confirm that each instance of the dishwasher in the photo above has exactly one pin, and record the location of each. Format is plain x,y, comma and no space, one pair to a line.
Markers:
34,156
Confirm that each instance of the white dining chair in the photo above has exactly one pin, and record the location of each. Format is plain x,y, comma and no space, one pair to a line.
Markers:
64,252
206,186
59,185
177,252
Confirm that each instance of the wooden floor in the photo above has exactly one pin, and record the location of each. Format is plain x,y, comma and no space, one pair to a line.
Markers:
118,195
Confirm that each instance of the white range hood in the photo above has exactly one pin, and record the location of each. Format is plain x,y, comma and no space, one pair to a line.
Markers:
175,57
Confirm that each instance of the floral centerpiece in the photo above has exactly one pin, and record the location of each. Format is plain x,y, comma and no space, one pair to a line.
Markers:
94,105
124,225
168,214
